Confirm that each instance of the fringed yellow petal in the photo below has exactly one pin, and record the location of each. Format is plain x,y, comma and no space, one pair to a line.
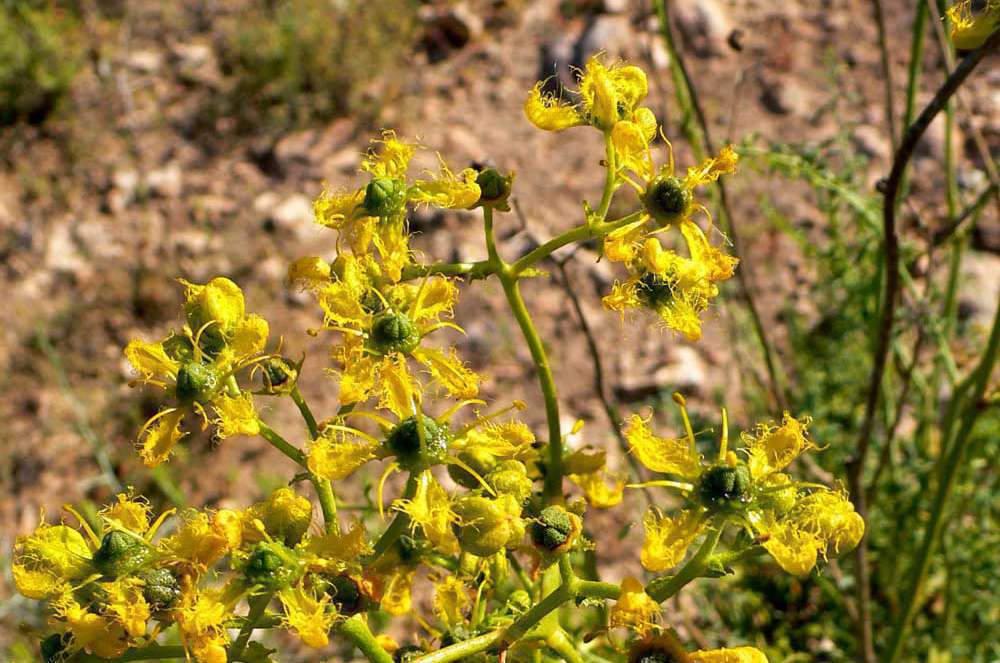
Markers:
309,617
646,120
236,416
150,360
599,493
661,454
548,113
48,558
124,601
249,337
128,512
219,301
771,448
634,609
451,601
336,454
359,372
735,655
286,516
446,190
717,264
599,95
795,549
622,245
309,273
393,244
667,539
400,391
396,593
159,439
622,297
203,539
201,620
430,510
448,370
337,546
392,160
93,633
435,297
831,516
341,305
334,208
712,168
632,148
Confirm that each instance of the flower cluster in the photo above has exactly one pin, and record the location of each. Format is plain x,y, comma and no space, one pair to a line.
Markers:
483,519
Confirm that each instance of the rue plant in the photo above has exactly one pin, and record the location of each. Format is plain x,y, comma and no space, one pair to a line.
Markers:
491,522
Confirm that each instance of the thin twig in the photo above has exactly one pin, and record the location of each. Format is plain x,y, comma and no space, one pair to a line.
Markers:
942,235
883,45
891,192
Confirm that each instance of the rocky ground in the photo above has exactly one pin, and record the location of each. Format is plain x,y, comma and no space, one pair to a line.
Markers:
100,211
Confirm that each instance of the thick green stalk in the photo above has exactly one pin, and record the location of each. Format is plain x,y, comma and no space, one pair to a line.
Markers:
956,452
663,588
258,606
356,630
324,489
560,643
461,650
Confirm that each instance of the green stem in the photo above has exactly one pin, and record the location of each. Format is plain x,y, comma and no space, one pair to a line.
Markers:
956,451
610,178
307,414
461,650
356,630
578,234
324,491
398,524
663,588
560,643
258,606
281,444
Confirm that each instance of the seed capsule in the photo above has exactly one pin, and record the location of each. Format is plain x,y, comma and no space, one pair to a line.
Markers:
195,382
726,486
405,443
393,331
667,199
120,554
271,566
279,374
384,196
553,530
479,460
487,525
345,593
160,589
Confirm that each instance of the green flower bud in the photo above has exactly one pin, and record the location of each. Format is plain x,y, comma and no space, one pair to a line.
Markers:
393,331
553,530
345,593
486,526
510,477
271,565
726,486
120,554
481,462
667,199
280,375
196,382
407,653
405,443
384,196
160,589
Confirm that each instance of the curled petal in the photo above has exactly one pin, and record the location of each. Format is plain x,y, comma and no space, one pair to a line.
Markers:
634,609
400,391
446,190
236,416
661,454
771,448
548,113
150,360
435,297
160,436
392,160
449,371
334,208
335,454
599,493
735,655
667,539
309,273
309,617
250,336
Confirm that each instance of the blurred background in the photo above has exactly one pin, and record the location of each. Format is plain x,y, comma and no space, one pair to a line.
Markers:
141,141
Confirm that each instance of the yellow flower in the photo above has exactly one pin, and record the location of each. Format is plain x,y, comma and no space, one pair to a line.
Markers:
634,609
203,539
383,326
198,368
90,631
971,27
451,601
331,551
596,489
794,522
201,619
667,539
336,454
309,617
430,512
607,95
660,647
376,214
49,559
285,516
